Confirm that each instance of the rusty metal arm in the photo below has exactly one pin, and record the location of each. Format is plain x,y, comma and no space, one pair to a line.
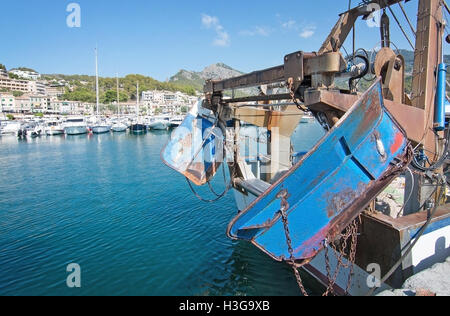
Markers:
292,68
296,67
410,118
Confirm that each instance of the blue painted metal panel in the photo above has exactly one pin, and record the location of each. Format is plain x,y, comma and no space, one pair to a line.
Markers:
331,185
196,147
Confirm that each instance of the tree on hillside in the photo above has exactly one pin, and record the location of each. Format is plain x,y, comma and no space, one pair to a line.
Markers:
13,76
80,94
17,94
25,69
110,96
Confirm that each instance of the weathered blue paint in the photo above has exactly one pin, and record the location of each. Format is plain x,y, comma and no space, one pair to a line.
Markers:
196,147
330,185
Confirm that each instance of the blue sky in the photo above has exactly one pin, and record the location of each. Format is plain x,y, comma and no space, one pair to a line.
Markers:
158,38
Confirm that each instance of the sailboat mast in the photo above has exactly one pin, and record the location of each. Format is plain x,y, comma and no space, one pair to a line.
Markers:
137,99
96,78
118,98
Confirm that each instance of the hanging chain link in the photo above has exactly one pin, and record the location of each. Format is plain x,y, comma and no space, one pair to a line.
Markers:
283,195
351,233
293,97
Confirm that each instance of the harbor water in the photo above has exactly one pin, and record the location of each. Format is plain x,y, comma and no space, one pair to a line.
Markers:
109,204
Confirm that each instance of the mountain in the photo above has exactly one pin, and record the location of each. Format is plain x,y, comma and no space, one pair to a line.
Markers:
197,79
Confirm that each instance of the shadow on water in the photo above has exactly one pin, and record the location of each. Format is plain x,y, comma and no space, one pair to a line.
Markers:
248,272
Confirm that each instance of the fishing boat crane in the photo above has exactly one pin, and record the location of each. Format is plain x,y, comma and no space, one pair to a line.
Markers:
319,213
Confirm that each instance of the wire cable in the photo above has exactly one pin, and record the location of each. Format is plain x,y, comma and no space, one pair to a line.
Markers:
410,193
418,237
399,25
407,19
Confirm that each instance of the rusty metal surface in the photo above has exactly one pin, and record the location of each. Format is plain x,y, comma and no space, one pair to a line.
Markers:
292,68
195,149
331,185
410,118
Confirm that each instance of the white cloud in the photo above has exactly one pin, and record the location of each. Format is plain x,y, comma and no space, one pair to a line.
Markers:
291,24
209,21
308,31
222,36
257,30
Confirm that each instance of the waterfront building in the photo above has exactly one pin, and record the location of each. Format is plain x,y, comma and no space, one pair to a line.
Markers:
7,103
22,104
14,84
40,104
55,90
26,74
36,87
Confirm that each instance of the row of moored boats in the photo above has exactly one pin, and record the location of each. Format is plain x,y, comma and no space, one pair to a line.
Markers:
34,127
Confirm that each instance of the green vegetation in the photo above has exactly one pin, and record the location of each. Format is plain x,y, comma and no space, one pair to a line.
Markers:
25,69
2,67
10,117
187,78
184,109
111,96
13,76
41,115
81,94
17,93
84,87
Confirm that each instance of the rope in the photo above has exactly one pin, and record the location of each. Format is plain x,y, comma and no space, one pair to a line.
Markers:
218,196
205,200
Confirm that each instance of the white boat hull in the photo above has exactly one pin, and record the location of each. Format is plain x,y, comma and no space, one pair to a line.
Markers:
75,130
54,132
101,129
119,128
159,125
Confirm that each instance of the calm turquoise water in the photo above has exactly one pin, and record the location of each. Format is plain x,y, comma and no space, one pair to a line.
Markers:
109,204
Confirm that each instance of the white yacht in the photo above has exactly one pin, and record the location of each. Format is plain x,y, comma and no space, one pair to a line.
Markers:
75,126
54,128
176,121
119,127
101,127
159,123
10,128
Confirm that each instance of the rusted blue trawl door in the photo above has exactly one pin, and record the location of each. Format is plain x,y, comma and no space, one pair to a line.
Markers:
331,185
196,147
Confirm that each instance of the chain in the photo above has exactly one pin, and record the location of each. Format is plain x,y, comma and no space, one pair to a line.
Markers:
351,233
294,99
283,195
